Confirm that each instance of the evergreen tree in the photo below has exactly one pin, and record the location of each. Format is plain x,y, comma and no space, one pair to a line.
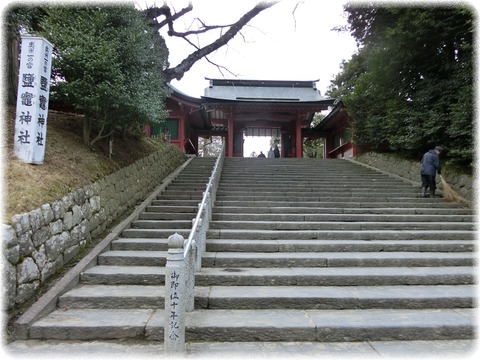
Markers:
410,87
108,64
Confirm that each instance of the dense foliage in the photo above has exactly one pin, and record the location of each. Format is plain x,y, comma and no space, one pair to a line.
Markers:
108,63
410,86
314,147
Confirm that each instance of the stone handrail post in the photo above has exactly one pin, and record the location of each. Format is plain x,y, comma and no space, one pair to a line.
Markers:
175,294
183,259
190,278
201,235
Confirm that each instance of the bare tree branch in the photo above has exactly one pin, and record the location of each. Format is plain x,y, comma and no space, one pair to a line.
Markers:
220,67
203,29
178,71
293,13
155,12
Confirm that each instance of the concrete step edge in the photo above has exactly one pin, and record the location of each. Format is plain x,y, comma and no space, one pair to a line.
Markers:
264,297
262,325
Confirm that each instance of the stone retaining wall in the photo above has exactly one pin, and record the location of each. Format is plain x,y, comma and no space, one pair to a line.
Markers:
42,241
462,184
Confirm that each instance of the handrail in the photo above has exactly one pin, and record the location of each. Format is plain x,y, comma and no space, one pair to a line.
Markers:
193,146
202,205
184,257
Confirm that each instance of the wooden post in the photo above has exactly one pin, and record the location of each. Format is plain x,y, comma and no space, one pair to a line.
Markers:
298,137
230,135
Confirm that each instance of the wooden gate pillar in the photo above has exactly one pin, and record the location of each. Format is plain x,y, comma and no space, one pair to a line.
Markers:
298,137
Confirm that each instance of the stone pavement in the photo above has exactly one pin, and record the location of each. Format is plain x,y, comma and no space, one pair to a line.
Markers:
54,349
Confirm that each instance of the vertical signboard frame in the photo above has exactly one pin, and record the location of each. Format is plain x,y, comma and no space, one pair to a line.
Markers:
32,99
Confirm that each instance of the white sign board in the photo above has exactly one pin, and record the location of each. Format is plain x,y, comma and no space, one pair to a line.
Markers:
32,99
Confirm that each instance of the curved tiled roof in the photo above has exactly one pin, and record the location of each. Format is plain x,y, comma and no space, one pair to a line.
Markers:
295,91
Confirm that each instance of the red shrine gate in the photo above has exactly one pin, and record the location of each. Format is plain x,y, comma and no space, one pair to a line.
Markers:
237,108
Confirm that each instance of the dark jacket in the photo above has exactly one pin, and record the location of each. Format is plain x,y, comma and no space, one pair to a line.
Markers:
430,163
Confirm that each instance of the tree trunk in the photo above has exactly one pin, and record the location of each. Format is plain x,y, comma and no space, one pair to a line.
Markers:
12,68
87,129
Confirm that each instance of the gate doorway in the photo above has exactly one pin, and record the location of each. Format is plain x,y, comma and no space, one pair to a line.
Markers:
258,140
252,145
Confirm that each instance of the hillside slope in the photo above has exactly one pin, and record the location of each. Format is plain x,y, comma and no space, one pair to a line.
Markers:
69,164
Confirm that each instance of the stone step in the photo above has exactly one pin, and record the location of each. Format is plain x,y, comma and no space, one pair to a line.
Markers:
154,233
193,175
186,196
152,244
322,217
338,297
339,210
312,216
126,275
303,174
334,259
335,182
150,215
133,258
350,181
329,234
306,225
243,245
322,225
162,224
180,183
189,209
319,198
261,325
114,297
240,245
277,297
308,234
179,203
179,191
339,276
308,178
371,203
294,259
314,186
190,181
304,191
194,187
93,324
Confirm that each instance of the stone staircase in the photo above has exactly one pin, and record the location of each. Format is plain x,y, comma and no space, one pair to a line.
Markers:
123,295
298,250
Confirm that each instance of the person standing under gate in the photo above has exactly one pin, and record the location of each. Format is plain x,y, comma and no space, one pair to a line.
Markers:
276,151
430,167
270,154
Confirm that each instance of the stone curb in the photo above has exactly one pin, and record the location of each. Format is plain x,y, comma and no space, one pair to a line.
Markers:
411,182
461,199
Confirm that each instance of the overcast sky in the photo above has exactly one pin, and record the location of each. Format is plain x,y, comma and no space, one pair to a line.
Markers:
278,44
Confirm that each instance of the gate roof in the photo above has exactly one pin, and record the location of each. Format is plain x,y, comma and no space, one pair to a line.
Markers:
283,91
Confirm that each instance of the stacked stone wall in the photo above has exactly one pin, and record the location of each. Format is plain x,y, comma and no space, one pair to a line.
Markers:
39,243
462,184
